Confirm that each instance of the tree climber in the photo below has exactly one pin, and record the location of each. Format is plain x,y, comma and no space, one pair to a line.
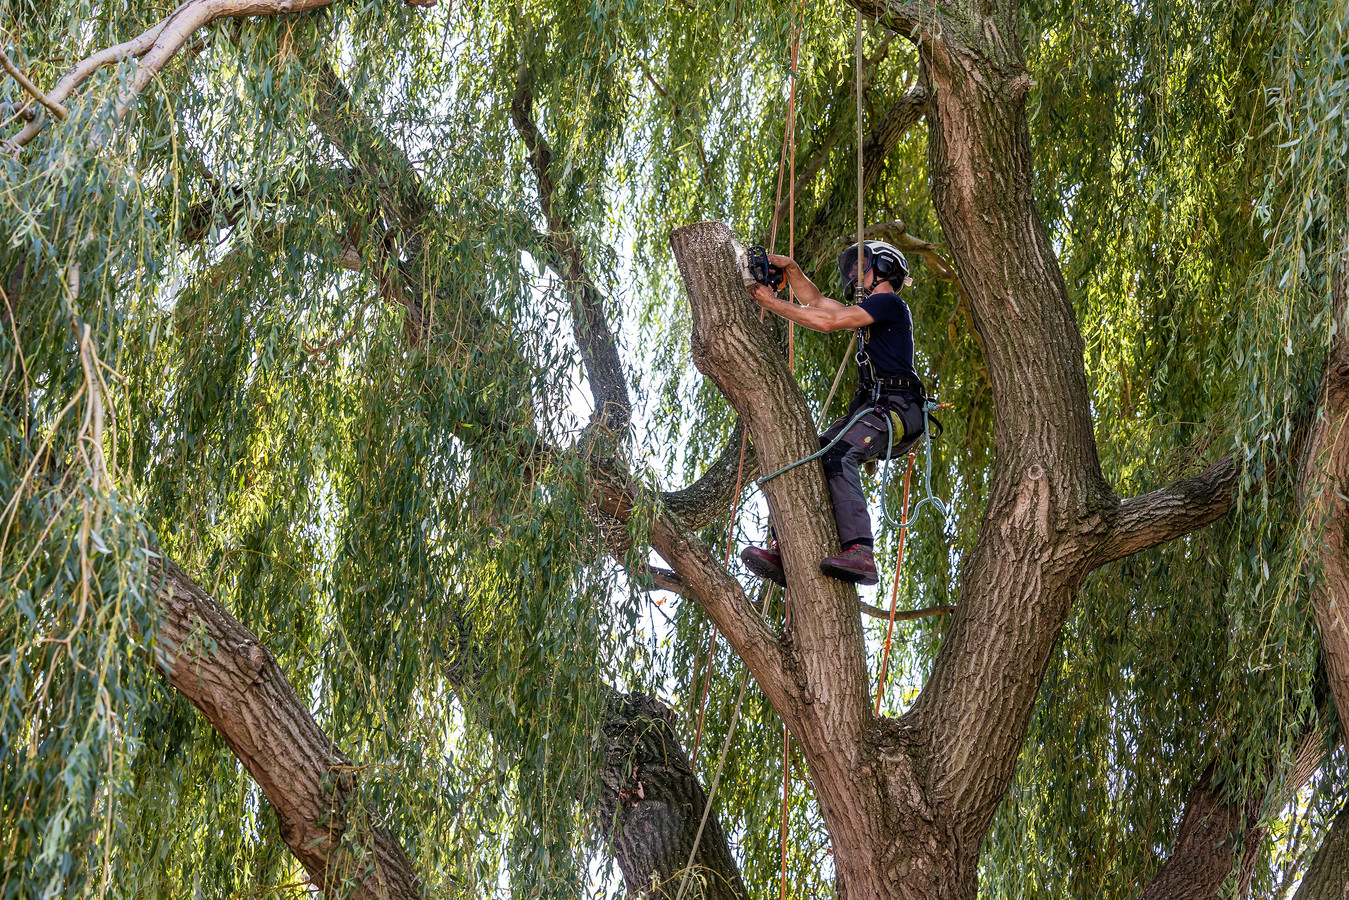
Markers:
887,384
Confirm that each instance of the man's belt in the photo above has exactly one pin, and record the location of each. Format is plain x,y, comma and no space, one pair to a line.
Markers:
897,384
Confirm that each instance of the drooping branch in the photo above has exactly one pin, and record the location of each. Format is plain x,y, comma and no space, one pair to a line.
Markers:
599,351
674,114
219,665
155,46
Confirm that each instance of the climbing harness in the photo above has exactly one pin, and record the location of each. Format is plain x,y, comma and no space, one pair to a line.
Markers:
929,407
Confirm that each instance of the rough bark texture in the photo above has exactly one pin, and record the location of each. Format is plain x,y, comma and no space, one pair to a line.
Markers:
1218,832
866,789
1327,877
1322,486
1213,835
224,671
652,803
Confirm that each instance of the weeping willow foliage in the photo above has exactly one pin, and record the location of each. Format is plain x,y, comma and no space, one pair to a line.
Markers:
200,360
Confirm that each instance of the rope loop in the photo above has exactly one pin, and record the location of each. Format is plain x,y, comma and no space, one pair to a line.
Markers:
930,499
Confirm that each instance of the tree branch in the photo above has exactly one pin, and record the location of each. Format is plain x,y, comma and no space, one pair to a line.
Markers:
1323,486
702,578
1167,513
906,18
1218,830
403,199
738,353
709,498
902,115
1325,878
599,351
17,74
651,804
222,669
155,46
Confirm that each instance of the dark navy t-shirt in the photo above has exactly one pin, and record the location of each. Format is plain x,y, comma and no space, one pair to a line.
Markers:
889,342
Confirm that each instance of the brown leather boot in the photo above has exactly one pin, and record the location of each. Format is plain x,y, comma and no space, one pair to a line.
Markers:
765,562
856,565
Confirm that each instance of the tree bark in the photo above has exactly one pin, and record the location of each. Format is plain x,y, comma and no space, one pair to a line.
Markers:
1214,834
1322,486
888,839
222,669
1327,876
1219,832
651,806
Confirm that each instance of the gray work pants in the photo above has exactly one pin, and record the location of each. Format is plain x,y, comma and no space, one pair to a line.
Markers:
863,441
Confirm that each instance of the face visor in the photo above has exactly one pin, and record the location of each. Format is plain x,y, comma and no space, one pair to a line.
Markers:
847,268
878,257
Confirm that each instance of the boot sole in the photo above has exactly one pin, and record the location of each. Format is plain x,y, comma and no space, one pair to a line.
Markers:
848,575
765,571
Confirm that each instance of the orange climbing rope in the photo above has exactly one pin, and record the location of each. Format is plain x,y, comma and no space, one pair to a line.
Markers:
894,586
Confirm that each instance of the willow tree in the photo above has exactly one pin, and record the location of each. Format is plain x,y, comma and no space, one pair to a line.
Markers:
317,568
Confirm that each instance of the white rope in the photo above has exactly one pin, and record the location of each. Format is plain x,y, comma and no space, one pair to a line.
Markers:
857,65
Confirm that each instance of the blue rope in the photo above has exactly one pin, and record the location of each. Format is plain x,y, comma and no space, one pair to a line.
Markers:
818,453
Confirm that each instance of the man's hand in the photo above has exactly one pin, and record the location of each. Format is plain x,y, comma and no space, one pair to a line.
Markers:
785,263
762,294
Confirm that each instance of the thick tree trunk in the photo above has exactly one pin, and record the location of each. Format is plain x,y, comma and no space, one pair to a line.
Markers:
652,804
1048,505
220,667
1327,877
1322,486
1219,832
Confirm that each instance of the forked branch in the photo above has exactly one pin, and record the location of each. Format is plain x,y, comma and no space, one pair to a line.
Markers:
702,578
906,18
599,351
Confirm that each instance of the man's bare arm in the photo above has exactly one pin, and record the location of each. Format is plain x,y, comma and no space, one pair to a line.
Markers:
835,317
802,287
